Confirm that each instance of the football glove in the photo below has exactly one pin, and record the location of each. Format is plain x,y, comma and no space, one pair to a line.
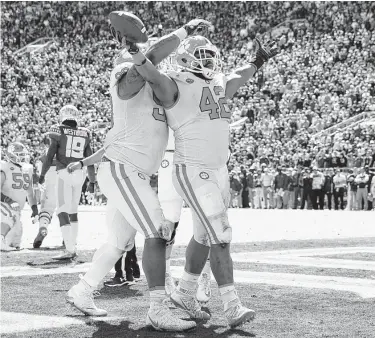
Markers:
41,179
264,52
197,26
15,206
34,210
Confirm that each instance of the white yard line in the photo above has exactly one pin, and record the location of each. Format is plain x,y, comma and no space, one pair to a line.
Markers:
14,322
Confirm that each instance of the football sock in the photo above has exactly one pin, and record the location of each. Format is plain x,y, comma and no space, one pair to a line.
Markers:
207,268
102,265
228,294
188,283
157,295
66,234
44,219
74,233
168,266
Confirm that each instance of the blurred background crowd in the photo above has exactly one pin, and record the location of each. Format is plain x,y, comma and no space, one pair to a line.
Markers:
324,76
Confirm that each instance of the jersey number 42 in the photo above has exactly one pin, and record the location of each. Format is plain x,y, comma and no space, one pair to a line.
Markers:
217,108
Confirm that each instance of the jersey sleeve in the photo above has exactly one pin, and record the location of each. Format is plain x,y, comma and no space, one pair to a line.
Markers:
55,133
4,168
119,71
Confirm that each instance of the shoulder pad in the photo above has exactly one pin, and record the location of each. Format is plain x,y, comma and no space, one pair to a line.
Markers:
119,71
4,165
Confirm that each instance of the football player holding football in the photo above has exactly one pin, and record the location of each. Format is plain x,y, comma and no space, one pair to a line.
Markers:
16,185
133,151
195,100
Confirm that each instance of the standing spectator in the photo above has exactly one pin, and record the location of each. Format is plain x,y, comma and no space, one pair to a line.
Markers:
328,187
371,181
288,197
298,187
362,190
317,194
235,189
258,192
251,188
266,180
245,190
307,187
352,191
280,184
339,181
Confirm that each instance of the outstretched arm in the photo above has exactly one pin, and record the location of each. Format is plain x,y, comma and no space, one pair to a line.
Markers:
241,75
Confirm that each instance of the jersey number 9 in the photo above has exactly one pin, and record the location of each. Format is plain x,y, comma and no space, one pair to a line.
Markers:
75,146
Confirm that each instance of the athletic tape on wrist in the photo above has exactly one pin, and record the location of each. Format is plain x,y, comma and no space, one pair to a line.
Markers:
181,33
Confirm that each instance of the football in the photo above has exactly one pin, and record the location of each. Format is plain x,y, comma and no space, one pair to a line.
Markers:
129,25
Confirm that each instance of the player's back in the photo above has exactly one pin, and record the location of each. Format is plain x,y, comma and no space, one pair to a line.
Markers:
139,133
200,120
72,144
17,181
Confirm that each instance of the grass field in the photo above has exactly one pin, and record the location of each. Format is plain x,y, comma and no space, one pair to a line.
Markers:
33,289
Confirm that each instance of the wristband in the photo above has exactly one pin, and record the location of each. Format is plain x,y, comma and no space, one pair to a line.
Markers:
82,165
181,33
143,62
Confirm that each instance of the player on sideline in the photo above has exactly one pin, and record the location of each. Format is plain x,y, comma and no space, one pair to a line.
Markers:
133,150
16,185
48,199
195,99
69,143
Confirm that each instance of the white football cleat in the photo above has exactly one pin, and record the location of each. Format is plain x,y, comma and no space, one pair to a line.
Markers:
4,245
65,256
204,292
237,314
161,319
170,284
188,303
82,298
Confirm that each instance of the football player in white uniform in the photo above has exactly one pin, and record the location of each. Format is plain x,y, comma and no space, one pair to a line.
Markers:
194,98
133,151
48,198
16,185
171,204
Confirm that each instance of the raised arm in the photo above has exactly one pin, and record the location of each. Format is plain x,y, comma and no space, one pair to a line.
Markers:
243,74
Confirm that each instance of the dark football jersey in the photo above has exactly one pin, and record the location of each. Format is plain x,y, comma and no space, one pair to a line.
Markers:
73,144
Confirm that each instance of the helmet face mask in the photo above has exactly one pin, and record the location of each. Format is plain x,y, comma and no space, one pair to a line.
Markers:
198,55
17,153
69,112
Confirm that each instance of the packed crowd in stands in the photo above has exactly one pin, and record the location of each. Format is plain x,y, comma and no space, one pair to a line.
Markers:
324,74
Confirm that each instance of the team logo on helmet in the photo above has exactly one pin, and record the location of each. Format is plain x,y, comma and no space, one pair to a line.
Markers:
204,176
164,163
190,81
18,153
198,55
140,175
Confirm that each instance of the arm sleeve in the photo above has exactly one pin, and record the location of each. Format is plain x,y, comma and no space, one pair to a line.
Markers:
52,150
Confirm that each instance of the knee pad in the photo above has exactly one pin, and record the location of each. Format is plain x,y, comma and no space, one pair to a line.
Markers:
63,218
129,246
73,217
221,228
203,239
166,230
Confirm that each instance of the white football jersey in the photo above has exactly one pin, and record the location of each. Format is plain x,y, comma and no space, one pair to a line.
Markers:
171,145
17,181
200,119
139,133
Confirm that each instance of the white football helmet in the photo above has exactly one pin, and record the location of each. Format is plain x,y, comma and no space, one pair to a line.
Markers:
198,55
69,112
18,153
